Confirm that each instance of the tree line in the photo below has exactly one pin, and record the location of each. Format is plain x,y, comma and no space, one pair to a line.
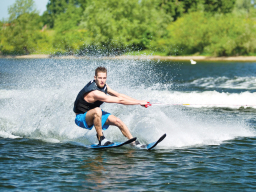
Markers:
167,27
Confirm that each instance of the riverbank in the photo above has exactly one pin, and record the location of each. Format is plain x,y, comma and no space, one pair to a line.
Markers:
142,57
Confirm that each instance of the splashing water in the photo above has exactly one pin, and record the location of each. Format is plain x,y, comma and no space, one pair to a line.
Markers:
37,98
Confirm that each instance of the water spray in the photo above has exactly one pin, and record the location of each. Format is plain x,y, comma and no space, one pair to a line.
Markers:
186,104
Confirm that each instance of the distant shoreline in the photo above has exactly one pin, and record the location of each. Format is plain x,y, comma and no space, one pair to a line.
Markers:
142,57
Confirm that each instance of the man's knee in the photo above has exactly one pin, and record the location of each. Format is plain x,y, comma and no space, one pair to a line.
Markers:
118,122
97,112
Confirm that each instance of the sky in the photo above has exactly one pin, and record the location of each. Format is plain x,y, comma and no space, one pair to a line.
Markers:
4,4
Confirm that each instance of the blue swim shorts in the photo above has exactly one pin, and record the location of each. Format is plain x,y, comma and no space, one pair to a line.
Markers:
80,120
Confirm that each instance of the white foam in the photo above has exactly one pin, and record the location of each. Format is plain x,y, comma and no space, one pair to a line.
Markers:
6,94
202,129
207,99
4,134
185,128
225,82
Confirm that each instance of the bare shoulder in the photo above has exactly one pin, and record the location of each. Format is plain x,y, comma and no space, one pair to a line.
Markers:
97,94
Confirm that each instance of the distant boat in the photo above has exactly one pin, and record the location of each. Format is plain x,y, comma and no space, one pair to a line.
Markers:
192,62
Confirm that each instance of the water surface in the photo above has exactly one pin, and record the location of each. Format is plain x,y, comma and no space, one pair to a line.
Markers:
209,146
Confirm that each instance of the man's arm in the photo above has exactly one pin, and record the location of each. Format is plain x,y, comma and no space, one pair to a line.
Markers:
119,95
98,95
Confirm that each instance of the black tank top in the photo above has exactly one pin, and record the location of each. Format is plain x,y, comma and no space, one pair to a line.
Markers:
82,106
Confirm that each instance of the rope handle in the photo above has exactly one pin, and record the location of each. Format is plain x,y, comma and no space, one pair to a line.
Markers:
147,105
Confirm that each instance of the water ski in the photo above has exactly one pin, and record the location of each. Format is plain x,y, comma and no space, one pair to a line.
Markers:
115,144
153,144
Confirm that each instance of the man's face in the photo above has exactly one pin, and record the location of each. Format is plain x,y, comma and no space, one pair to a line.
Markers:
101,79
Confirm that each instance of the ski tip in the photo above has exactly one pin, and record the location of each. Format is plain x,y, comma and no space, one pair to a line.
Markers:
152,145
164,135
161,138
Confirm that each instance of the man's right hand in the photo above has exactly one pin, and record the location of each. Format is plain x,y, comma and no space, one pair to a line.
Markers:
145,104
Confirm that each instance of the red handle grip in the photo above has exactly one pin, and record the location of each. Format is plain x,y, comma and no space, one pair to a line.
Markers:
147,105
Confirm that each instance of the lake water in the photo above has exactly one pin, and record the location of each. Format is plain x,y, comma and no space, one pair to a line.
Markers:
210,144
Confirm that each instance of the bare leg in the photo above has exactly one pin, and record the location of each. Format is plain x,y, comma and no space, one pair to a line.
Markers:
112,120
93,117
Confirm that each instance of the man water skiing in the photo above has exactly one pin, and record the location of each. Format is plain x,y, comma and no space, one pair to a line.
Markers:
89,114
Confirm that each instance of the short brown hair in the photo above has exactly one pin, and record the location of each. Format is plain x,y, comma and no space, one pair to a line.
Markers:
100,69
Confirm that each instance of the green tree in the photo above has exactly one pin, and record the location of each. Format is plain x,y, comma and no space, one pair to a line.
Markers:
192,5
82,3
57,7
244,6
22,33
21,7
171,7
54,8
118,24
176,8
67,36
221,35
47,19
1,36
215,6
